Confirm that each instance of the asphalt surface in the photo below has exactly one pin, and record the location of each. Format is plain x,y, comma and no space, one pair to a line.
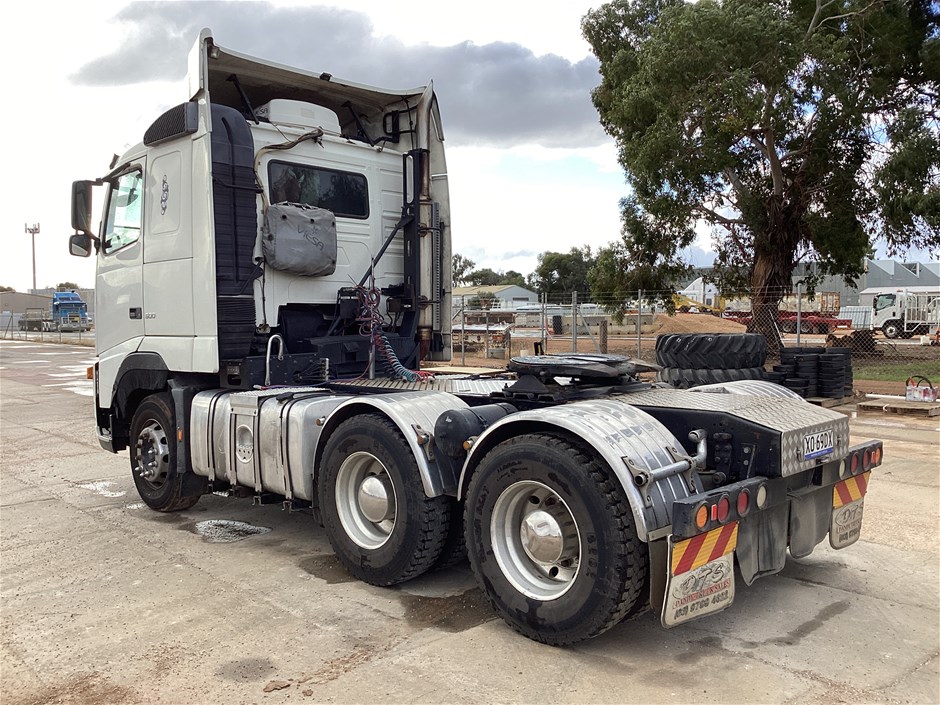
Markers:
104,601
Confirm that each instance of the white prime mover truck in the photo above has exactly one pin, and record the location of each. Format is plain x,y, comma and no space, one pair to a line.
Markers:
273,268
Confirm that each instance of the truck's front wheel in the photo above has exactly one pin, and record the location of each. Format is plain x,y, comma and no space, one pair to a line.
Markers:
153,456
892,329
381,525
551,540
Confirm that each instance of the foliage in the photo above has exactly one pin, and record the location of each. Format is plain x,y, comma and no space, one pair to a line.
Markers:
462,266
7,288
482,302
466,274
558,272
795,129
66,286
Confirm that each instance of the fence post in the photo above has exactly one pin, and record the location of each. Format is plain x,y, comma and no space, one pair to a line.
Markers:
639,322
544,298
463,331
799,313
602,334
574,321
486,334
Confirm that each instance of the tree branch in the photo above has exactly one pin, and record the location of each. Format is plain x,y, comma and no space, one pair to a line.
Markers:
717,216
865,9
814,23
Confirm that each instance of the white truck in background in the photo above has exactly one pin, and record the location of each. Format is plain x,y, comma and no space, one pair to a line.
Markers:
273,269
904,314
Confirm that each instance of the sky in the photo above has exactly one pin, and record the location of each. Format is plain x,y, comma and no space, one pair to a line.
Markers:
529,164
530,168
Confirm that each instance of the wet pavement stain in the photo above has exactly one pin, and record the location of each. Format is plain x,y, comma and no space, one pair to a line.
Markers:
224,530
159,517
248,669
701,648
825,614
326,568
452,614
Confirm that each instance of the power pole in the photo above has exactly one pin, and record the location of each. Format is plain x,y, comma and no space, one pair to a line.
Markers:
33,231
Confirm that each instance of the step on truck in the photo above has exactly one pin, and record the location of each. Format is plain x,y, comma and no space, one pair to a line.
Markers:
273,278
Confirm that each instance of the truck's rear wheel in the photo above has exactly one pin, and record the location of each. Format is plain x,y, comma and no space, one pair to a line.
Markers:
382,526
153,456
551,540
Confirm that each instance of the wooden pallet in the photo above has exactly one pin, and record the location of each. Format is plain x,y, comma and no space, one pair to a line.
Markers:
828,402
900,406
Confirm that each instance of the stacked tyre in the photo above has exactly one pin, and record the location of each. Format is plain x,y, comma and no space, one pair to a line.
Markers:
801,367
835,372
695,359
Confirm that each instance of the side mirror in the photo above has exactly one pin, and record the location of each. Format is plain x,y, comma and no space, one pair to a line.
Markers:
80,245
81,207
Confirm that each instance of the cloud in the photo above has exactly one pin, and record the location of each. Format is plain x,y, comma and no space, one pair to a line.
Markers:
497,94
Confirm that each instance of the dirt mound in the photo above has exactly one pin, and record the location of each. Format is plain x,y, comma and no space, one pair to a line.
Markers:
694,323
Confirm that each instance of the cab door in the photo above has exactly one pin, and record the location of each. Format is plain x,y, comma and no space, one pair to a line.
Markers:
119,295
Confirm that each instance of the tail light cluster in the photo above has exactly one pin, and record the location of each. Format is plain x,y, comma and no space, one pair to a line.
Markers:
718,507
861,459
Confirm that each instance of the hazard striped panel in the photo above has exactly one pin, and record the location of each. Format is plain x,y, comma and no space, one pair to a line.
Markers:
850,490
697,551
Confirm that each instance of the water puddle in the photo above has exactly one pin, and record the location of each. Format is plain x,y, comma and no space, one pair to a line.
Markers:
226,530
453,614
326,568
101,487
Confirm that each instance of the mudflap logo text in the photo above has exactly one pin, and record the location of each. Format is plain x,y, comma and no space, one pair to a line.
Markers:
706,589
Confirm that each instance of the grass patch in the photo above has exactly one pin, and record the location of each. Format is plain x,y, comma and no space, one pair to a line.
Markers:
897,371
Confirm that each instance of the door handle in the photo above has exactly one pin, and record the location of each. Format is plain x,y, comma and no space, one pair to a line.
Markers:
135,313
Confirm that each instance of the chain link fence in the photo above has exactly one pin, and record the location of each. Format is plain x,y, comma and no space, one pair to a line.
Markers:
19,327
878,355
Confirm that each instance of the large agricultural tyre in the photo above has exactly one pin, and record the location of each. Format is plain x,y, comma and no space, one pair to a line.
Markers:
712,351
552,540
381,525
688,378
153,456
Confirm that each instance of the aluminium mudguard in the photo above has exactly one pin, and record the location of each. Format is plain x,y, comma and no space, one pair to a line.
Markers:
414,413
618,432
750,388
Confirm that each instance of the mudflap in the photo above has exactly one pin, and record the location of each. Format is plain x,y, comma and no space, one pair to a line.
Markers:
848,500
700,575
762,543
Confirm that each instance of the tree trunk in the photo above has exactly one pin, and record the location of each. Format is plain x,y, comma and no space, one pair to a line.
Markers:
770,280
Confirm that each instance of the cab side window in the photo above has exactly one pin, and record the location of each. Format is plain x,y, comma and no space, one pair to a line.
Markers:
884,301
124,211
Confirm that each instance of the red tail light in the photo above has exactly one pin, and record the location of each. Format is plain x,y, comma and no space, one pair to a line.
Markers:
724,509
854,463
743,502
866,459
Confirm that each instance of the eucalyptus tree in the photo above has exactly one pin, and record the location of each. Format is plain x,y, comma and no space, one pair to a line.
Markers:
794,129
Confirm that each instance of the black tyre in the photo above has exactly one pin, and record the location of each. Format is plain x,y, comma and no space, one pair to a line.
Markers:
686,378
153,456
892,329
788,326
551,540
711,351
454,551
382,526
